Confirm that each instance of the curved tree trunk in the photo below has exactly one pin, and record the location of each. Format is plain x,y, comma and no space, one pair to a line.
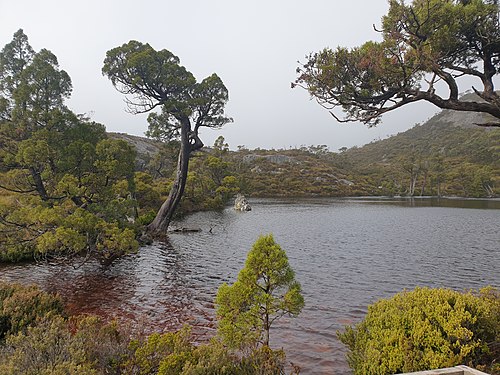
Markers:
162,220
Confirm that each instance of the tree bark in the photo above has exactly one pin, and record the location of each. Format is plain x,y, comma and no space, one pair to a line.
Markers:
413,182
267,327
422,191
189,142
39,186
162,220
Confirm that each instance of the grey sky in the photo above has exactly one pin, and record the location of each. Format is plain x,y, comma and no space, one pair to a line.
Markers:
252,45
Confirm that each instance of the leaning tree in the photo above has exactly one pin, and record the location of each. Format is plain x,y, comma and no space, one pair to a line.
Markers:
427,46
154,79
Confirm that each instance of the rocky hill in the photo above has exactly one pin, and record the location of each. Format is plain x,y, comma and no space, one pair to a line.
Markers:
146,148
446,133
447,155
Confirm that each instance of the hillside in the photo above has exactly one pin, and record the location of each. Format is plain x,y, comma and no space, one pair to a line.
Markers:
446,156
146,148
297,172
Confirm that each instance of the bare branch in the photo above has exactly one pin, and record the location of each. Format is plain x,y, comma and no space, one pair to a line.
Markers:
489,125
16,190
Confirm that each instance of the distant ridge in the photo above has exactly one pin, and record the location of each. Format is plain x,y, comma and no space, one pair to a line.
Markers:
446,156
446,131
460,118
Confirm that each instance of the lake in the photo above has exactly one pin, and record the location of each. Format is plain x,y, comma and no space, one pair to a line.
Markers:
346,253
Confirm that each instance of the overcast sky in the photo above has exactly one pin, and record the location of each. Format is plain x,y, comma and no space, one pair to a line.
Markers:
253,46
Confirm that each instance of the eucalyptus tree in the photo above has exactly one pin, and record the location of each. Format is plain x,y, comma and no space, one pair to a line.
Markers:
152,79
427,45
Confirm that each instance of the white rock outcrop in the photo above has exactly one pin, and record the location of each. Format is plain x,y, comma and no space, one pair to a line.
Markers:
241,203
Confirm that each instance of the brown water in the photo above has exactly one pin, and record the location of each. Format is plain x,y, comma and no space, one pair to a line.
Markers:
346,254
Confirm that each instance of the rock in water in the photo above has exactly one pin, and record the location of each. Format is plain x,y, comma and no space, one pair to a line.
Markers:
241,203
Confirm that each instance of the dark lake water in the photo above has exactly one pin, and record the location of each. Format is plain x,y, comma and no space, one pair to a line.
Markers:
347,253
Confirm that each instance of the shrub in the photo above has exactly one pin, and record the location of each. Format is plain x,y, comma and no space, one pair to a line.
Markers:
82,345
166,350
105,344
44,349
425,329
21,306
212,359
174,354
39,340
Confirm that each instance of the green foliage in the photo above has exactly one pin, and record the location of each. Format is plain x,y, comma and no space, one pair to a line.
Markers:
174,354
70,188
45,349
148,198
55,346
424,41
211,181
265,290
105,344
441,159
160,353
305,172
264,360
37,339
425,329
21,306
156,78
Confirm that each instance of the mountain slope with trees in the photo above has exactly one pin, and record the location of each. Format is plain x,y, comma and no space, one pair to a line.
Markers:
446,156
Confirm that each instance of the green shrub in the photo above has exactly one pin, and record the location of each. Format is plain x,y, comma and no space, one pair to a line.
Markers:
266,361
39,340
174,354
81,346
44,349
212,359
105,344
15,254
158,350
425,329
21,306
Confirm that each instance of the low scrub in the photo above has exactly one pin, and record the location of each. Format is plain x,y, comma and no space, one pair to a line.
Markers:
426,329
38,339
21,306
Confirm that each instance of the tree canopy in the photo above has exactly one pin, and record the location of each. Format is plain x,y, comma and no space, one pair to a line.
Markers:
153,79
59,174
427,46
265,291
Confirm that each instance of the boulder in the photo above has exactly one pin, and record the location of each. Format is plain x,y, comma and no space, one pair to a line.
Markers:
241,203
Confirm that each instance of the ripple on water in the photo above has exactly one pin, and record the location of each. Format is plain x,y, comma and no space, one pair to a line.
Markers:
346,254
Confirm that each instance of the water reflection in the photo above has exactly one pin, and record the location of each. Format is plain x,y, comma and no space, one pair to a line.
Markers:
347,253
